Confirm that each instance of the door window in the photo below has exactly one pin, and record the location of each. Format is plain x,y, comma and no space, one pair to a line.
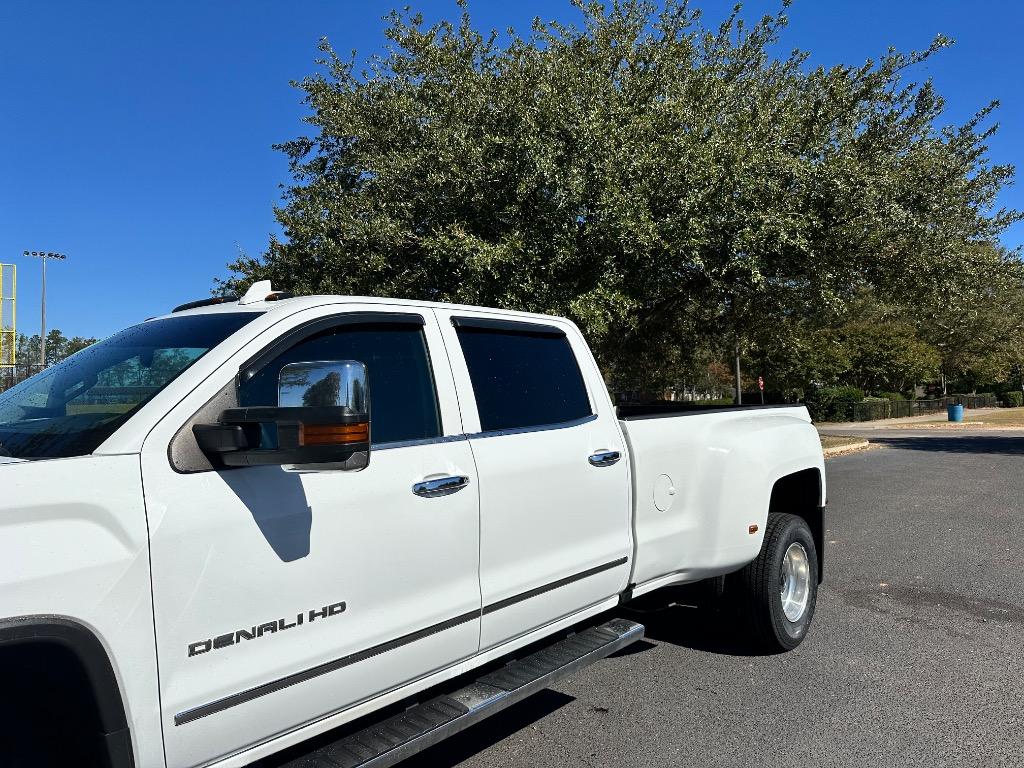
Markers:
403,401
522,378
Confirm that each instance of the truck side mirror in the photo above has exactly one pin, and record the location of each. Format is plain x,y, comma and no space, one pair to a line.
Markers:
322,417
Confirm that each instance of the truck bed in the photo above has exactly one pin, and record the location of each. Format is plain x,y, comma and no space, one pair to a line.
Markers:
632,411
703,478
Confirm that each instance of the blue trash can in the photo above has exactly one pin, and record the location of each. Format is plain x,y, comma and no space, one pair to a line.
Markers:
955,412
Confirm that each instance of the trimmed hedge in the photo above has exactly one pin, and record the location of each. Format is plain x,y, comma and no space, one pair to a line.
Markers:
833,403
893,396
1013,399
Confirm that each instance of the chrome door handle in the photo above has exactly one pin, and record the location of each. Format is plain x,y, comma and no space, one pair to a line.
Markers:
605,458
442,486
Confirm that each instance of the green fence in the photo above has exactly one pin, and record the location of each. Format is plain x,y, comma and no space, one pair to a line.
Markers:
872,410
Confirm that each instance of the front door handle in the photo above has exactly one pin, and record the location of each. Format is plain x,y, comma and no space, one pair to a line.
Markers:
442,486
605,458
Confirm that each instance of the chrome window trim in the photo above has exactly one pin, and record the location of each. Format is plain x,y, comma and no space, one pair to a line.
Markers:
537,428
478,435
420,441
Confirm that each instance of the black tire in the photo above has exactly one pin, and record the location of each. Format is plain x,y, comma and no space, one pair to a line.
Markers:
758,587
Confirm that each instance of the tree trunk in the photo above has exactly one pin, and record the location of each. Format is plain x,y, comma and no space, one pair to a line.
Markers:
739,377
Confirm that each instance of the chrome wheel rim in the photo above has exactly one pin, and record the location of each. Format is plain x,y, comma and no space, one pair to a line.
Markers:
796,582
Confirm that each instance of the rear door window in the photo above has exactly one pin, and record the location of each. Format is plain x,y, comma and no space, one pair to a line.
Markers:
522,378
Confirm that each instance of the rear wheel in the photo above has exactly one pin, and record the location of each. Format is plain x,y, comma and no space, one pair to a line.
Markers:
777,591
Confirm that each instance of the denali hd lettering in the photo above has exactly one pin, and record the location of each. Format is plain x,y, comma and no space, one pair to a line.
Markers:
259,630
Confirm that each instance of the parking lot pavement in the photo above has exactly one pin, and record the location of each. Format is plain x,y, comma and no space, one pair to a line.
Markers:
915,657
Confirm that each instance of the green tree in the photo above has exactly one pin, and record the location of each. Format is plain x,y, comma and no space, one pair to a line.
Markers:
670,187
887,357
58,347
324,392
796,356
979,332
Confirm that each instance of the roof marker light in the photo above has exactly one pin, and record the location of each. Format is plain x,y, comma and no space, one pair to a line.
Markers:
257,292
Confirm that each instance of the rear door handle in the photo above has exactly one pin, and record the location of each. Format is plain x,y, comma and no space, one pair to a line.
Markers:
604,458
441,486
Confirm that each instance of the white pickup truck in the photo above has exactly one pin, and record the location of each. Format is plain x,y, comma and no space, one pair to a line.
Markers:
255,521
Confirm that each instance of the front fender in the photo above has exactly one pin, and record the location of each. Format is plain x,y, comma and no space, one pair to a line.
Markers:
74,545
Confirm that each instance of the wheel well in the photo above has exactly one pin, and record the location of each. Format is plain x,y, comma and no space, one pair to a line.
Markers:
800,494
58,707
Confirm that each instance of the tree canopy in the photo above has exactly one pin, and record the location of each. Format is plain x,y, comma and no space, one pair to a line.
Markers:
58,347
675,189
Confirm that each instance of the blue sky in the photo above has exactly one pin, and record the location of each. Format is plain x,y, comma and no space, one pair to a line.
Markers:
136,136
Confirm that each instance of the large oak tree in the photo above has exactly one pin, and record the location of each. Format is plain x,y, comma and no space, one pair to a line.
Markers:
671,187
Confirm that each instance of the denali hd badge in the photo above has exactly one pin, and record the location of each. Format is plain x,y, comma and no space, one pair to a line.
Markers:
259,630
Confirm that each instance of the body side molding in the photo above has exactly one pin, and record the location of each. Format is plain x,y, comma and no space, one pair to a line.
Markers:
189,715
553,585
322,669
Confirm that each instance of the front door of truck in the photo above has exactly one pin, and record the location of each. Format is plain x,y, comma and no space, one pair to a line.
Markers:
283,596
554,477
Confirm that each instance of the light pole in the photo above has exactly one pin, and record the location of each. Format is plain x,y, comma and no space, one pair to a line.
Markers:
44,256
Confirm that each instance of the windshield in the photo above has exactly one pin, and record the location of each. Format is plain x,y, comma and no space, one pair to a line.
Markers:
72,407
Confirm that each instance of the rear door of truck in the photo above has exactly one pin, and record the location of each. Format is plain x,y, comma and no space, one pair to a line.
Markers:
555,532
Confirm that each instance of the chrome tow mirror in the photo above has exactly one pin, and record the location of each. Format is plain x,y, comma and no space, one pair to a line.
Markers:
322,417
324,384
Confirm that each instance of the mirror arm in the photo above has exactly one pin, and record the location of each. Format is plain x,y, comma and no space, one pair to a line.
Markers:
220,438
226,445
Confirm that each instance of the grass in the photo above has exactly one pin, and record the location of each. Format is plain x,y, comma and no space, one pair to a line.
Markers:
1004,417
838,441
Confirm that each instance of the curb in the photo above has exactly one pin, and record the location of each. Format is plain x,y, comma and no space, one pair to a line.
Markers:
961,425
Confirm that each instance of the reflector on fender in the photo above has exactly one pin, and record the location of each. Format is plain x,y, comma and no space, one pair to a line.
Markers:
333,434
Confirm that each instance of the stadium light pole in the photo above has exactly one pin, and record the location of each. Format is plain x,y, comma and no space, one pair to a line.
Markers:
44,256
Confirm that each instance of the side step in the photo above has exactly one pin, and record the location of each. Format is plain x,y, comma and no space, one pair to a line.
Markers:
403,735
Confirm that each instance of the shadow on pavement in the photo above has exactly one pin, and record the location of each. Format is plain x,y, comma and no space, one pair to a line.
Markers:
633,648
698,628
489,732
957,443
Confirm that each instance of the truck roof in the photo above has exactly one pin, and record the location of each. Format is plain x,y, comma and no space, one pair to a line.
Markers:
287,306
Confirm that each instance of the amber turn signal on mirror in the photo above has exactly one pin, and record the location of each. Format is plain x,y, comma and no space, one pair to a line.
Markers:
333,434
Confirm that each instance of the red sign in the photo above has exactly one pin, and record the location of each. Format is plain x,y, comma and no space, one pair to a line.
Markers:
760,383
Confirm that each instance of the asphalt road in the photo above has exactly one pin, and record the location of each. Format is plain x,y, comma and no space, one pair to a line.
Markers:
915,658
